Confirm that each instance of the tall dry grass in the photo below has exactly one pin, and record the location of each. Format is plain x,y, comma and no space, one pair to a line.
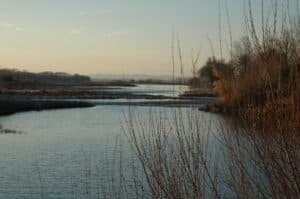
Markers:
265,68
187,156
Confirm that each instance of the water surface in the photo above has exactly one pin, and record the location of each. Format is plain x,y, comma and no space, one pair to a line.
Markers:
61,152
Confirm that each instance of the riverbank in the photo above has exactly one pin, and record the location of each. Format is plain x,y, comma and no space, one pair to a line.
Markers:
12,105
79,96
78,93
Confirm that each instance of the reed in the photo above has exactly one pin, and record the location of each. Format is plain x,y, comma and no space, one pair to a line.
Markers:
185,155
264,77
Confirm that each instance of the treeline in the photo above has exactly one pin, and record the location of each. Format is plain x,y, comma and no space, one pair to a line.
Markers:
177,81
20,79
205,77
154,80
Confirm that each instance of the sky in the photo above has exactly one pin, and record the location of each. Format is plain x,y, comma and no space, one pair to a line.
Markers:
113,36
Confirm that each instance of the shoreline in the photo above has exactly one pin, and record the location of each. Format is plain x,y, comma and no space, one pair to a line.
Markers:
14,104
21,105
83,96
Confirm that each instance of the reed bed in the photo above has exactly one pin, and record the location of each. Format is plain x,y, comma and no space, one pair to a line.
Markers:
263,74
187,156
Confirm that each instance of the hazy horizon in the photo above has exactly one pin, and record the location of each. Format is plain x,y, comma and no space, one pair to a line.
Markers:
113,37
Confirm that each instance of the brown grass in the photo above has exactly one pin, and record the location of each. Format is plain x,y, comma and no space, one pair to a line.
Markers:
265,71
187,156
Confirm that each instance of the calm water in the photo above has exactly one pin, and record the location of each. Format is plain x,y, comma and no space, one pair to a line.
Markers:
156,89
55,150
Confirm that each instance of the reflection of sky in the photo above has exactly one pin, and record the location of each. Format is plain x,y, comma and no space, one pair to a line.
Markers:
61,146
115,36
152,89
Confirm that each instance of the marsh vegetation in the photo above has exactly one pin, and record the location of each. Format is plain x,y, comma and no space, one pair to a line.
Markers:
249,148
259,157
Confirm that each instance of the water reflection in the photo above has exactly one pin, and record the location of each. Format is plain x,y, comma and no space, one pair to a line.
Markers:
73,152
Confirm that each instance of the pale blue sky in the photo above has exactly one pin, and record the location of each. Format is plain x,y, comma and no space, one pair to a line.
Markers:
110,36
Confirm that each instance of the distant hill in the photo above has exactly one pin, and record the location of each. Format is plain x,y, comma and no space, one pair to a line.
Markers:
20,79
137,78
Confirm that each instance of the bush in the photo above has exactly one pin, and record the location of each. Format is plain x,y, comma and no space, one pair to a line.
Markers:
264,78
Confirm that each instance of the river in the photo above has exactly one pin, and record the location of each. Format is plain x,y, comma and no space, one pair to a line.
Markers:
58,153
